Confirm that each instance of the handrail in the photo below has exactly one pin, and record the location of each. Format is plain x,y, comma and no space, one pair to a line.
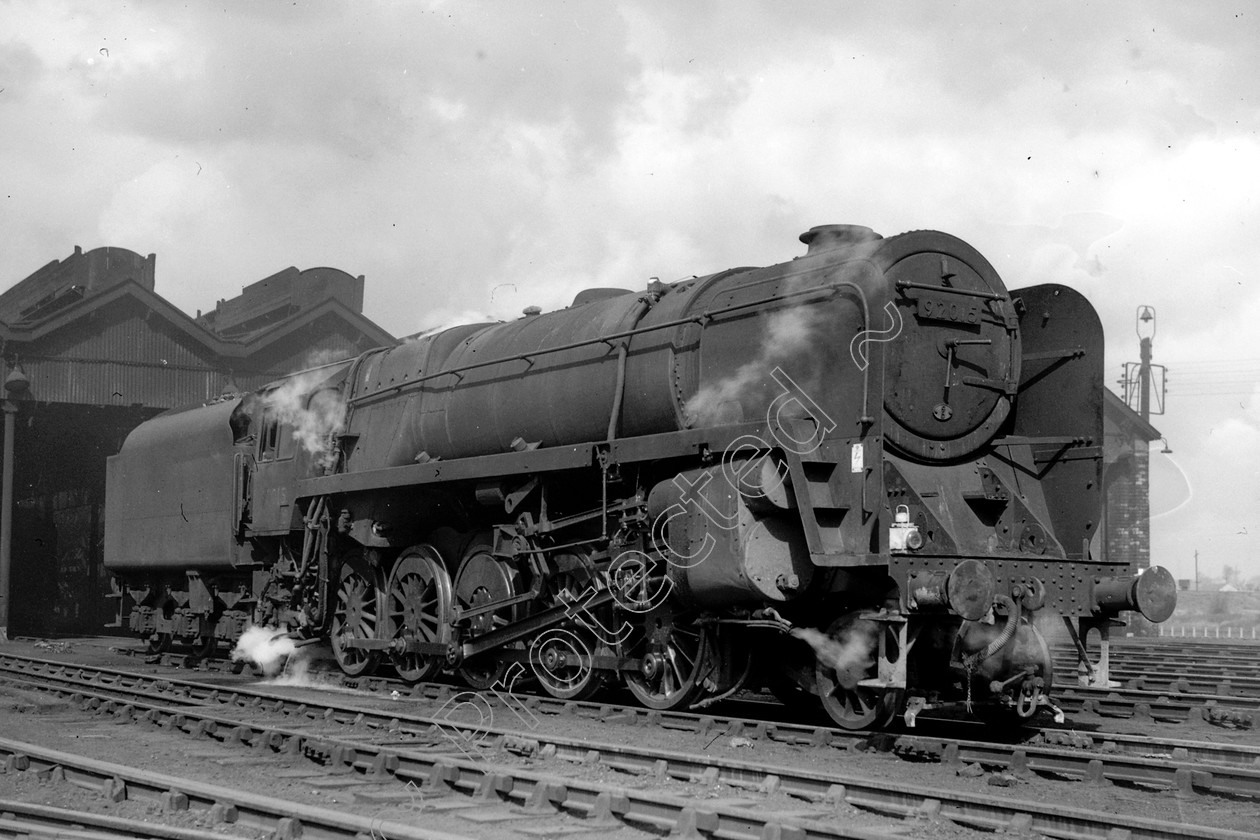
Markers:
704,317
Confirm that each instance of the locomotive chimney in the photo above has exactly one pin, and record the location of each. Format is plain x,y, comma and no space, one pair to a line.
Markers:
827,237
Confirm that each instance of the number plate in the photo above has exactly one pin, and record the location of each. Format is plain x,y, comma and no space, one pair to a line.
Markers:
948,308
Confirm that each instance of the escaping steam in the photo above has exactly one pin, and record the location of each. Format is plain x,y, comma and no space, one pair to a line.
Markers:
315,418
270,649
282,660
787,333
850,656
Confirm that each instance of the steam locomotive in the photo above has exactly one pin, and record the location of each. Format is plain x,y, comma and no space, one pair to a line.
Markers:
856,477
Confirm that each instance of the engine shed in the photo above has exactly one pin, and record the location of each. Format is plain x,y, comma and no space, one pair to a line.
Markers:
90,350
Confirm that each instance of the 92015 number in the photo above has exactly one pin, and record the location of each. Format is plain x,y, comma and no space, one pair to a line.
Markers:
940,309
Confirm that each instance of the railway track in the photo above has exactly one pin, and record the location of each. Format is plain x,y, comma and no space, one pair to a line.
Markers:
408,747
278,818
29,820
1231,675
759,722
1145,697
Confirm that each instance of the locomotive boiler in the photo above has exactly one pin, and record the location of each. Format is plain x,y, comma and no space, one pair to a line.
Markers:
862,477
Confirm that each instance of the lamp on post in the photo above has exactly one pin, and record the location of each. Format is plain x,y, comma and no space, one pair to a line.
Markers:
16,386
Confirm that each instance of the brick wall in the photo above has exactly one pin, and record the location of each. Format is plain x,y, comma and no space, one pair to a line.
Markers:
1128,515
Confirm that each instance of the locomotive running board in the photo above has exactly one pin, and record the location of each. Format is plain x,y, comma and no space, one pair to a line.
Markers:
545,459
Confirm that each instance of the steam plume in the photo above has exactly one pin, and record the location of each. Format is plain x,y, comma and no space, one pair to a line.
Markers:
850,656
314,418
787,333
267,647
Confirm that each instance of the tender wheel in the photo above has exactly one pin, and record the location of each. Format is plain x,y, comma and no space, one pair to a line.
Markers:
418,607
674,659
157,643
205,647
846,655
354,617
482,580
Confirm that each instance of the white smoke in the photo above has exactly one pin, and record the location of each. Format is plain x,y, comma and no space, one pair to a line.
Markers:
787,333
445,319
850,656
269,648
314,418
282,660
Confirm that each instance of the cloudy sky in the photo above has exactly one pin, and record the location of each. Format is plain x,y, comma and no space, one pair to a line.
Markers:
475,158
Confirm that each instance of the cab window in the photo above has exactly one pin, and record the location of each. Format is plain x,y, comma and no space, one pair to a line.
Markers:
276,443
269,440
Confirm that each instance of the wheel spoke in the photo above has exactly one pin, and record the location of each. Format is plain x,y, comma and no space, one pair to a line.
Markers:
354,616
420,597
675,661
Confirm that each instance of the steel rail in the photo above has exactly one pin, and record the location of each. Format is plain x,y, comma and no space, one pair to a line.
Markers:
1181,675
493,783
285,819
805,785
27,819
1118,702
1225,667
1224,684
483,784
1109,748
805,734
1200,666
1247,658
1207,655
1163,706
1180,681
1188,645
1167,701
1194,647
1136,701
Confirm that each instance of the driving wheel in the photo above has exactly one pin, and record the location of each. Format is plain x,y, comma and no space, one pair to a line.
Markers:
562,660
483,580
418,608
673,658
354,617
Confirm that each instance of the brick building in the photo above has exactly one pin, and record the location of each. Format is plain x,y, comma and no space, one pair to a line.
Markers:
104,352
1126,522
